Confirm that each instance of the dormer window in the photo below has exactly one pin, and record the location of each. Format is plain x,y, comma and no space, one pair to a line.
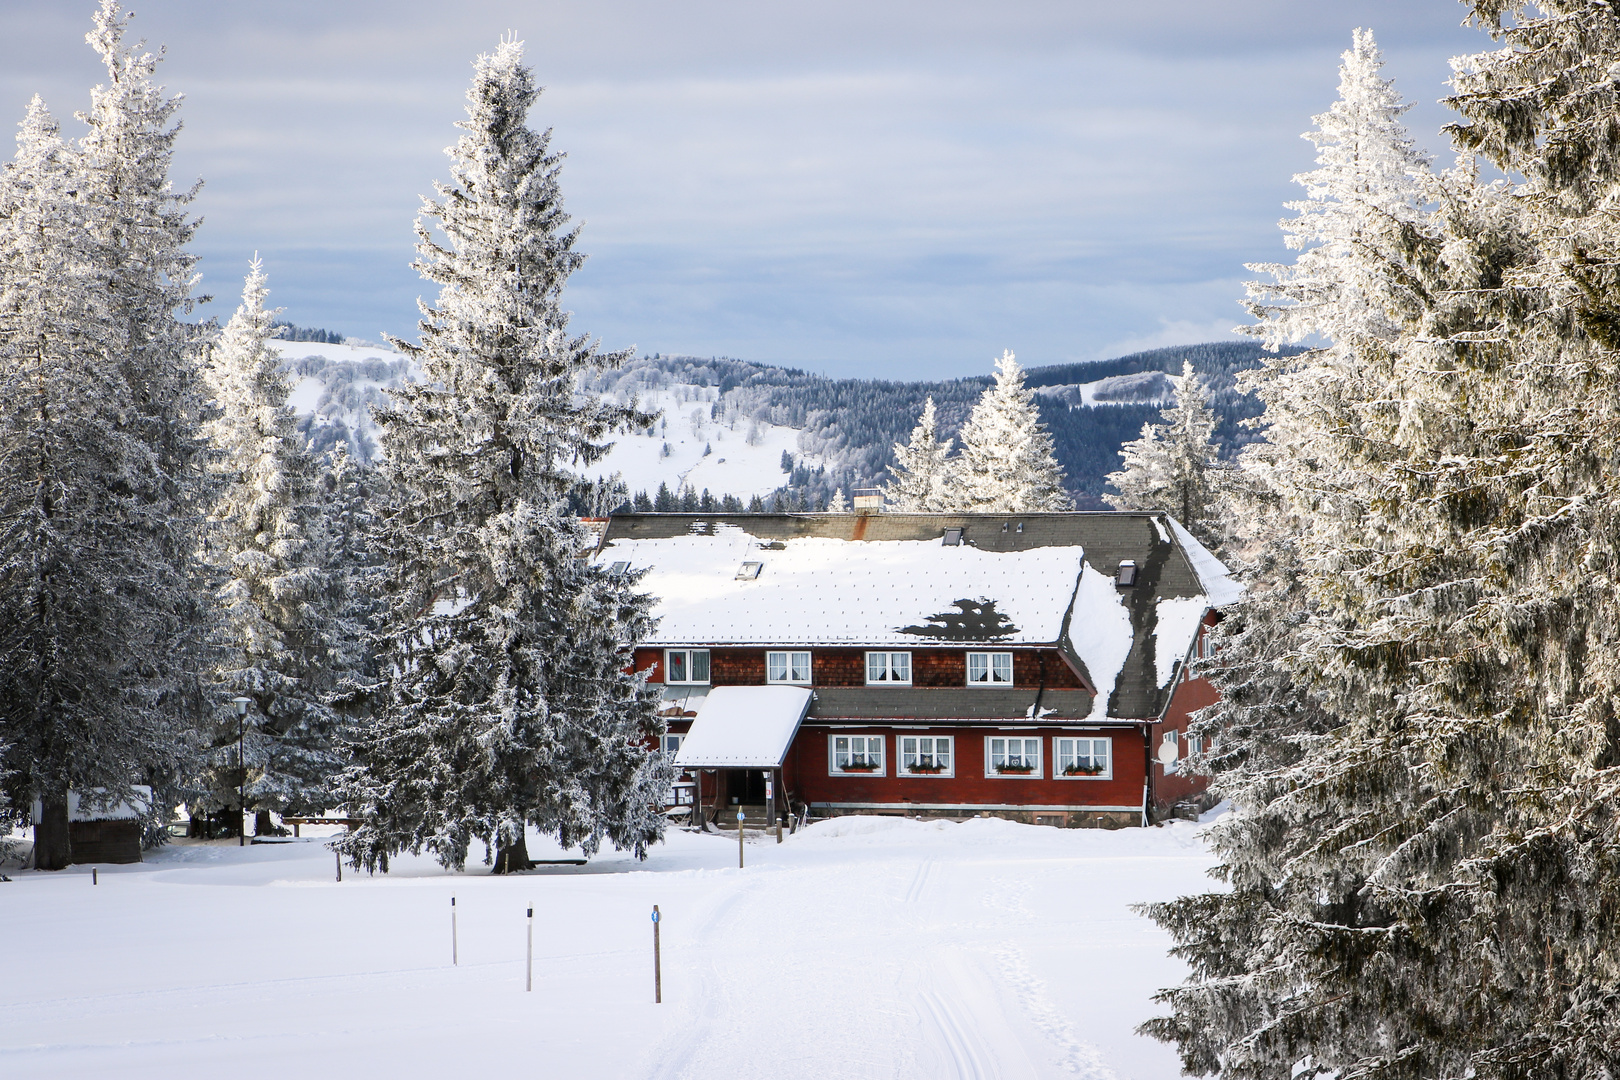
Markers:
1127,573
619,567
787,667
953,538
748,571
686,666
989,669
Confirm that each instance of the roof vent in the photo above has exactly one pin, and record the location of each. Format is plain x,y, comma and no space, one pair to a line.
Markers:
953,538
748,571
1127,572
619,567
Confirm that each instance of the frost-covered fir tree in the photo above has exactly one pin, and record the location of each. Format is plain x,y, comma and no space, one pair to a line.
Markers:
1173,466
1006,464
508,699
1423,887
920,468
1369,177
278,643
103,484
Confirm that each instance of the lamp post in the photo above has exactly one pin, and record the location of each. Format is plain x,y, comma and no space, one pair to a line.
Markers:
241,704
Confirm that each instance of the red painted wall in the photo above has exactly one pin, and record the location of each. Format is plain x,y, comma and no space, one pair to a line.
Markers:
810,779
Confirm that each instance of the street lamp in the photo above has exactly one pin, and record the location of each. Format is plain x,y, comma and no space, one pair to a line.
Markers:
241,704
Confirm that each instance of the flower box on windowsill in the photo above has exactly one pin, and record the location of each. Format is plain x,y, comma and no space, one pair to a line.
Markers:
858,768
1015,770
1081,770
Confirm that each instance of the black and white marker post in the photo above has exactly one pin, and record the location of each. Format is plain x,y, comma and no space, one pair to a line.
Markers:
455,954
528,982
658,969
740,816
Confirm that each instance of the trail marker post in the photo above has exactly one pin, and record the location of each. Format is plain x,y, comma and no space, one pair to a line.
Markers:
528,982
93,880
338,856
658,970
740,816
455,952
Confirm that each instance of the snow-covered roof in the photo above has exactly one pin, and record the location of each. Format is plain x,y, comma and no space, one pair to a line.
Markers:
744,727
897,580
132,810
823,591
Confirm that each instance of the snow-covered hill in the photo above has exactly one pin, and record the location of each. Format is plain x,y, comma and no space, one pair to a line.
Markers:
704,439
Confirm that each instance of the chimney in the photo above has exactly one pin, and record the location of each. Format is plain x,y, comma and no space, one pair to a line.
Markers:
869,500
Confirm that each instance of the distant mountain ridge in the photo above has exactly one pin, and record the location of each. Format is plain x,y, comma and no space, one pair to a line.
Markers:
736,427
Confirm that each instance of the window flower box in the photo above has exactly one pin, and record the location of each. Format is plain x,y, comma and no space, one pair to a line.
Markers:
1083,770
869,766
1015,769
926,769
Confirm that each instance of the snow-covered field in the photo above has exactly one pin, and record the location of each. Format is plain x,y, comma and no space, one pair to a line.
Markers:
859,948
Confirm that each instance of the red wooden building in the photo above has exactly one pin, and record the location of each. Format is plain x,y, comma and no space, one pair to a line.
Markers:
935,665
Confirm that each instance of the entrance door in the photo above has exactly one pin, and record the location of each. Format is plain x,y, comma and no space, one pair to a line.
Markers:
753,786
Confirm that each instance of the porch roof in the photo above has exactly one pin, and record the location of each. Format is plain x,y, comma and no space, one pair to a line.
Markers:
744,727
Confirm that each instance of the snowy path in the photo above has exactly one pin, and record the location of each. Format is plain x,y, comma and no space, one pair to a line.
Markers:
861,948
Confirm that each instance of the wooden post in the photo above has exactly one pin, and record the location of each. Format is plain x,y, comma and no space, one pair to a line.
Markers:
528,981
775,814
455,954
740,816
93,880
338,855
658,969
295,829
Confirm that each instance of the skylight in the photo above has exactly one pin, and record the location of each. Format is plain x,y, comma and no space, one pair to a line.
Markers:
749,571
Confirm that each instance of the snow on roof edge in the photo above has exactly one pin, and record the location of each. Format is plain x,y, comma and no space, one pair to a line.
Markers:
1218,583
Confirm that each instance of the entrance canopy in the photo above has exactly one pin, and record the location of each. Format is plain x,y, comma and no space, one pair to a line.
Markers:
744,727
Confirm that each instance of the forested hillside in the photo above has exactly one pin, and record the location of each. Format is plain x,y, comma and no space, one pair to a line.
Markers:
851,425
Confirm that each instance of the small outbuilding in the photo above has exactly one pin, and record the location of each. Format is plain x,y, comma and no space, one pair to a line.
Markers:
101,832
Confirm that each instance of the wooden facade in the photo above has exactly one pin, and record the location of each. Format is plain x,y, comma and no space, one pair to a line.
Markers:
1071,694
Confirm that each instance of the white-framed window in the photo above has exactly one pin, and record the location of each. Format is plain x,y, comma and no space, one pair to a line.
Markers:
989,668
672,744
1206,644
788,667
686,665
1083,759
1195,744
927,755
888,669
1012,755
855,755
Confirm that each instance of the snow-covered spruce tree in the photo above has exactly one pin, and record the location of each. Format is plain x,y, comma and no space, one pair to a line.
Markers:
140,227
102,471
920,468
508,698
1006,464
1173,466
77,570
1428,889
277,643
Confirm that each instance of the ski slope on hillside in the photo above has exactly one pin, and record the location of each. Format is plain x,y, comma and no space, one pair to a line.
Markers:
859,948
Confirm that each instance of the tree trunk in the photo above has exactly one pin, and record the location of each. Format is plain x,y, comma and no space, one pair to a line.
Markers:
514,857
263,826
52,848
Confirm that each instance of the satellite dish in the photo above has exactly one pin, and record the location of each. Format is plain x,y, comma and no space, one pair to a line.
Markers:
1168,753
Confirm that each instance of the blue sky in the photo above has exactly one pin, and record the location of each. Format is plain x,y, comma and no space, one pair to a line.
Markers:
863,188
